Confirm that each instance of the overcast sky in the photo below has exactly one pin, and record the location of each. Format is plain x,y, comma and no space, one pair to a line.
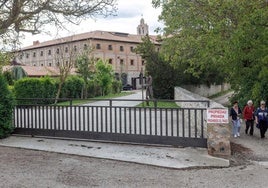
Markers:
128,18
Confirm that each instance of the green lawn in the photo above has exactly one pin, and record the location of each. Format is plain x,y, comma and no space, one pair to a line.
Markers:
160,104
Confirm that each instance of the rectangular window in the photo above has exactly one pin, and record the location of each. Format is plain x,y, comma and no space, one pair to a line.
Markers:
66,49
98,46
34,54
41,53
131,48
58,51
110,47
85,46
132,62
121,61
121,48
27,55
49,52
110,61
75,48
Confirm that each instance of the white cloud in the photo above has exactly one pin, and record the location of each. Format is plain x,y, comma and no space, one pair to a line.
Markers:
128,18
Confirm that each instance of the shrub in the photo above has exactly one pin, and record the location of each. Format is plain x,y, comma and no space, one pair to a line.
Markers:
116,86
94,89
72,87
35,88
6,108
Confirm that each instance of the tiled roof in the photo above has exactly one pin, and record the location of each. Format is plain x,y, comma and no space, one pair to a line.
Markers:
100,35
38,71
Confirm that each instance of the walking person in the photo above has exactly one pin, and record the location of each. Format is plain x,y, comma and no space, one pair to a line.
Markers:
262,119
248,114
149,88
235,114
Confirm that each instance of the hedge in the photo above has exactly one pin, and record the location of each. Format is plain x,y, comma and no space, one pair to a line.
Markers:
6,108
72,87
35,88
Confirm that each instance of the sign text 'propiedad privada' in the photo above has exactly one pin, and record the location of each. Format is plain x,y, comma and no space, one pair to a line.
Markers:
217,115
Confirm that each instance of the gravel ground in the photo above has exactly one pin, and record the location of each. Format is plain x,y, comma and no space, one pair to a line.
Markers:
29,168
21,168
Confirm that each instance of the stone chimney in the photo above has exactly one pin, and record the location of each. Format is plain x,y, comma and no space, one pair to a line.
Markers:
36,42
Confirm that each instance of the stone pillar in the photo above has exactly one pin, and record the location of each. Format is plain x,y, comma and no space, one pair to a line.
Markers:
218,140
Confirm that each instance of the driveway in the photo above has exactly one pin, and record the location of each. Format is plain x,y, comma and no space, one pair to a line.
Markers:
128,100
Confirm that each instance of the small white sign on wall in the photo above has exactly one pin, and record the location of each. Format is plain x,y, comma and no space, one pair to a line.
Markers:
217,115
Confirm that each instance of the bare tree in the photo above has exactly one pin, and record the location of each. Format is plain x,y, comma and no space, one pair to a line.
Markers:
65,57
31,16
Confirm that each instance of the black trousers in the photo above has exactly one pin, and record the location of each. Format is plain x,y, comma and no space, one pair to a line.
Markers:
263,128
250,124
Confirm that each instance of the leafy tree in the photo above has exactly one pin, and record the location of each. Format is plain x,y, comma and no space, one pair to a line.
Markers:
9,78
5,58
6,108
219,41
104,75
165,76
85,68
32,16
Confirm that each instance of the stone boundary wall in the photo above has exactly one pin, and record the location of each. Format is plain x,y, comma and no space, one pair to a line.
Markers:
183,94
205,90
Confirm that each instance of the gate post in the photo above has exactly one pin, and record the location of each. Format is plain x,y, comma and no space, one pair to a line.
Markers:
218,133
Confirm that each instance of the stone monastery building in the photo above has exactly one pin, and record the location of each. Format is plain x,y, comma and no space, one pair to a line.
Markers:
114,47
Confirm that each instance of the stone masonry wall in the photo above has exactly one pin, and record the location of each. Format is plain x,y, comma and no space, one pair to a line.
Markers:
205,90
218,135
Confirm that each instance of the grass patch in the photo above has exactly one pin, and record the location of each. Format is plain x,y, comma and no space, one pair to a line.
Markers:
160,104
89,100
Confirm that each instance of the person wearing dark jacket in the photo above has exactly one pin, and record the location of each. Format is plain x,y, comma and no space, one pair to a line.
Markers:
261,118
248,114
235,114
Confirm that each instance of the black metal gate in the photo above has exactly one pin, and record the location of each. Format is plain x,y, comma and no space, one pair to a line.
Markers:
168,126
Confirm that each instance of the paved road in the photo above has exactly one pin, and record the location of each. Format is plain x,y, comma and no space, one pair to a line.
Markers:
224,99
125,100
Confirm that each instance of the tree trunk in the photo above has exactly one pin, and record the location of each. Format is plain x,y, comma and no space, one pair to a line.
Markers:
58,93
